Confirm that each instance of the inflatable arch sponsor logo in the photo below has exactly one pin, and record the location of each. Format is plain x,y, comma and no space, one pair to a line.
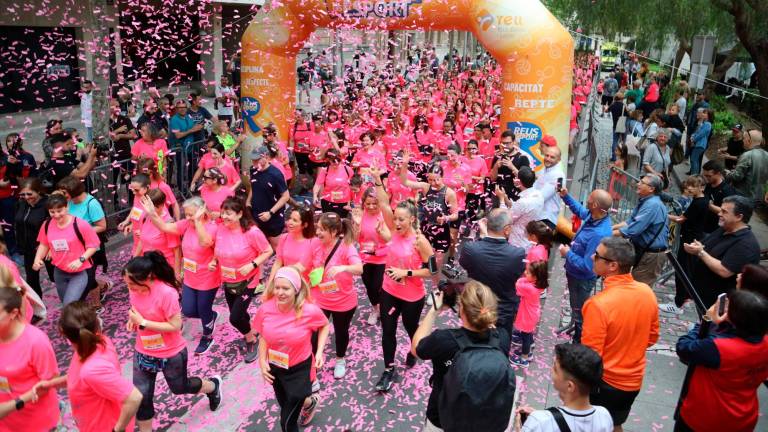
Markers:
528,135
250,109
486,20
378,9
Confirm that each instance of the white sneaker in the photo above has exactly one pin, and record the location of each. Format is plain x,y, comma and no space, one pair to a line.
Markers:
670,308
543,294
373,318
429,299
340,369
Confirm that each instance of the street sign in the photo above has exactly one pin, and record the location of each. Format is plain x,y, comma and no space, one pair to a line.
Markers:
703,50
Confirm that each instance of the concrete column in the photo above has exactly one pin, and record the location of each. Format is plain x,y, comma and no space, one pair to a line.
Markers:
218,63
209,39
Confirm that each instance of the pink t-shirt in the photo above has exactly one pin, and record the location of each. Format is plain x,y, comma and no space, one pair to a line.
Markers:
397,191
196,258
11,266
288,338
335,183
537,252
291,250
478,168
230,172
367,158
23,363
455,177
402,254
152,239
64,245
97,389
144,149
319,144
170,198
214,198
373,248
530,305
159,304
235,248
335,294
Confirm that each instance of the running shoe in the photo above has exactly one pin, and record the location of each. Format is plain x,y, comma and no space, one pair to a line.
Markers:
519,352
107,288
206,342
373,318
214,397
520,361
251,352
670,308
308,412
387,378
340,369
410,360
212,324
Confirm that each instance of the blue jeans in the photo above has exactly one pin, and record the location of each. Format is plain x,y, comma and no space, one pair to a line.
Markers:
579,291
615,145
199,304
697,154
70,286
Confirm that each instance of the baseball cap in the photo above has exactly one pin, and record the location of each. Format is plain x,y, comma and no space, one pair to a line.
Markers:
259,152
549,140
738,127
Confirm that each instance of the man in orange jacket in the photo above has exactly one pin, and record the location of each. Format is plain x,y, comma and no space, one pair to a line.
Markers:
620,322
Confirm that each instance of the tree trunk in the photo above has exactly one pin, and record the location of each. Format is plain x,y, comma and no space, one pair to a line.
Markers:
683,47
719,70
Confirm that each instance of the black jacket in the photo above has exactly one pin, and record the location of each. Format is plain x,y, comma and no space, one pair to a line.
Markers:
27,223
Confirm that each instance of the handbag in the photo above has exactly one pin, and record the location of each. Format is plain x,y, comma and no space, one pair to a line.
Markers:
621,124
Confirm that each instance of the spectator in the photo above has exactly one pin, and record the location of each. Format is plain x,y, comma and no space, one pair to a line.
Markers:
226,99
64,160
494,262
617,109
150,145
725,251
183,129
155,116
579,272
31,213
547,182
751,172
53,127
504,166
735,147
577,370
636,91
86,110
620,323
715,191
681,102
729,365
657,157
125,100
610,88
753,277
651,98
700,102
200,115
527,208
648,230
20,161
121,132
700,139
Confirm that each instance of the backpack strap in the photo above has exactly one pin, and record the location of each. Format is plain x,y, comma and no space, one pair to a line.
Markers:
461,339
77,232
559,419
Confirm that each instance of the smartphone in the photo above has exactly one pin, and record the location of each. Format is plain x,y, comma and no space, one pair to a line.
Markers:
721,303
523,417
559,183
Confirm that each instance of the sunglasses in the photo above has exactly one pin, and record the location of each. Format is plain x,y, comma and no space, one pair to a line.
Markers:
598,256
209,178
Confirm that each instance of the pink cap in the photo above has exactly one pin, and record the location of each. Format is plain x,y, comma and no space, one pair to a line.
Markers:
290,274
549,140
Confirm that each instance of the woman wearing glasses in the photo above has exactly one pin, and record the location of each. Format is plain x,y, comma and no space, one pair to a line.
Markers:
214,190
31,213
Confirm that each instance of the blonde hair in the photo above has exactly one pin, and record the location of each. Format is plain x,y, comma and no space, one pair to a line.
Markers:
301,298
479,305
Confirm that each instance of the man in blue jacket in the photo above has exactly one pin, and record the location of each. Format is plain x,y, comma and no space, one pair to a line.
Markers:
595,226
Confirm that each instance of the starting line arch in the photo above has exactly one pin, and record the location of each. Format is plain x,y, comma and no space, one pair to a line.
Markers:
534,50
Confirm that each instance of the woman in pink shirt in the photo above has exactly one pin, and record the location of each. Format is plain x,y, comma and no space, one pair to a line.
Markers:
457,175
368,156
240,249
27,360
286,321
336,260
410,259
372,236
155,316
475,201
197,231
152,239
215,190
101,398
150,145
71,242
215,158
296,246
319,142
156,181
139,186
397,191
332,190
299,143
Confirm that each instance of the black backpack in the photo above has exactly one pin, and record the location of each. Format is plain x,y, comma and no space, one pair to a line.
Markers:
478,388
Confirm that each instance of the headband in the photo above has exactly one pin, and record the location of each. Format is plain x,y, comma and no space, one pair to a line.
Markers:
291,275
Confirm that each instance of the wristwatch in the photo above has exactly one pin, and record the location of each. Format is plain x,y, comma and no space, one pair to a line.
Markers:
410,273
143,324
82,259
19,404
254,264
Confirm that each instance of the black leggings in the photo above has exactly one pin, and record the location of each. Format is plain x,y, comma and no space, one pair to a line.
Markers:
341,323
373,277
291,387
33,276
302,163
331,207
391,307
175,373
238,306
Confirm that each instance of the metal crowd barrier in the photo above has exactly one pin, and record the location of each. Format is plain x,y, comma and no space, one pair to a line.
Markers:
587,136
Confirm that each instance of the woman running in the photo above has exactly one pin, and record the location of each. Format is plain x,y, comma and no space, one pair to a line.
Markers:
295,247
410,259
332,191
335,260
215,158
151,238
155,316
286,321
139,186
240,249
31,214
215,190
372,236
156,181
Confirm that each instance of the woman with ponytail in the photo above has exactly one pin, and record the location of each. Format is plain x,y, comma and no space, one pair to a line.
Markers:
215,190
478,313
153,239
101,398
155,316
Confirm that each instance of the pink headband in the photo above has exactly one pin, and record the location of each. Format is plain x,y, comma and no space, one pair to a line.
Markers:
291,275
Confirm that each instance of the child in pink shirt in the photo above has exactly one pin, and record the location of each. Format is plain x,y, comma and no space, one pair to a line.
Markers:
332,190
540,236
528,288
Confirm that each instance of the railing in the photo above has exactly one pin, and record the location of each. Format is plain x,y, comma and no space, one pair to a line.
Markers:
587,130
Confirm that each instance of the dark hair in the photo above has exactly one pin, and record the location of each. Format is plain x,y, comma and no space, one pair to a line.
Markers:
18,142
508,134
237,205
714,165
10,298
32,183
410,206
141,179
219,147
755,278
367,134
151,167
582,364
219,176
80,325
72,185
526,176
543,233
56,200
540,272
747,311
356,180
621,251
307,217
59,138
742,206
435,168
157,196
340,227
152,264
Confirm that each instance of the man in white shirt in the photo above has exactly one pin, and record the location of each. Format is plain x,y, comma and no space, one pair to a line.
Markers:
576,371
527,208
86,110
226,99
546,183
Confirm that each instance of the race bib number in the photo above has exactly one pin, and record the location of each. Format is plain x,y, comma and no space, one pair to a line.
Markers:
5,386
136,214
277,358
190,265
329,287
228,273
337,195
60,245
153,342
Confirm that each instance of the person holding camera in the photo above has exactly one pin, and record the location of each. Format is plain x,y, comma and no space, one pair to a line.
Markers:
506,163
576,372
446,347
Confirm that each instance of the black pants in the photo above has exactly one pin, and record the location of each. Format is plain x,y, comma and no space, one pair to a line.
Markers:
302,163
681,294
238,306
33,276
291,387
391,308
373,277
341,322
332,207
175,373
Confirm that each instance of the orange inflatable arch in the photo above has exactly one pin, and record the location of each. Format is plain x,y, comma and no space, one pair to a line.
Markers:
533,48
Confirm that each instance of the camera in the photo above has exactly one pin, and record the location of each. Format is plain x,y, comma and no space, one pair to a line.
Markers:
453,285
